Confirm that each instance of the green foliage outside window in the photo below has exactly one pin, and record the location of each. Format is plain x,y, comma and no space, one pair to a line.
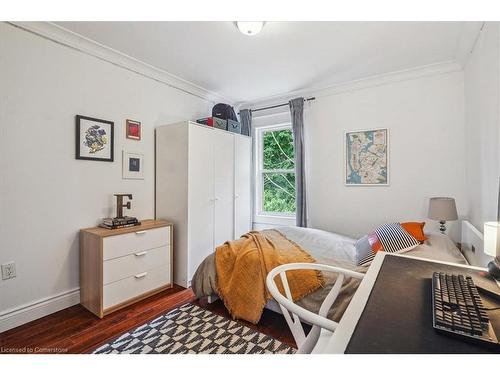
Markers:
279,175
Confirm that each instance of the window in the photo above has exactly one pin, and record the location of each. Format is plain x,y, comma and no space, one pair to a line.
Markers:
275,187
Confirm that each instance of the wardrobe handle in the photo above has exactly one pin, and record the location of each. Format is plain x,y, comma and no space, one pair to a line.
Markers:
141,253
141,275
236,196
140,232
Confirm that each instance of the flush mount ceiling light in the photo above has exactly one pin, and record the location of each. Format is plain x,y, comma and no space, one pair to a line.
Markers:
250,27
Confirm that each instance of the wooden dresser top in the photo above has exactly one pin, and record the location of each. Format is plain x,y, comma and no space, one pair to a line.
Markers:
145,225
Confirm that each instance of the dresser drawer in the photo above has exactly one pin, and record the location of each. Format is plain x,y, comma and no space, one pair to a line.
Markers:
140,240
133,264
123,290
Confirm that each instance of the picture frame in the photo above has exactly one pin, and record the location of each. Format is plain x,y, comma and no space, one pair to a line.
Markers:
94,139
133,166
367,170
133,130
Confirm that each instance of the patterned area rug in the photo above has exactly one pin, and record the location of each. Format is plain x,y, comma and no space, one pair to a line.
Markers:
190,329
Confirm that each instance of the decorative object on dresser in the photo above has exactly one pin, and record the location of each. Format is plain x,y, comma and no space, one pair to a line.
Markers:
203,182
442,209
120,221
94,139
133,129
121,266
133,166
367,157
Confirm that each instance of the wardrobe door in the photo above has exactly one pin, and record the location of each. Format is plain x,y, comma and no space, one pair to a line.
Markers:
242,185
224,189
201,196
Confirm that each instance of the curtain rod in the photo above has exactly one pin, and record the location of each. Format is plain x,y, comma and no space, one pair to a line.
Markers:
279,105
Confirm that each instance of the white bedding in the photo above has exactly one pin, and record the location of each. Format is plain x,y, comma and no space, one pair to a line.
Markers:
325,246
334,249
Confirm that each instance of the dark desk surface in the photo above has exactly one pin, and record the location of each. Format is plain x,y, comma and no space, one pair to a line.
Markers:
397,318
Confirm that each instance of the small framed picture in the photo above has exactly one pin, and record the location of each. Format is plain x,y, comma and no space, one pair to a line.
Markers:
133,166
94,139
133,130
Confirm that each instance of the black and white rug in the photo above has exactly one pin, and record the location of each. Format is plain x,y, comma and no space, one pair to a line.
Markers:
190,329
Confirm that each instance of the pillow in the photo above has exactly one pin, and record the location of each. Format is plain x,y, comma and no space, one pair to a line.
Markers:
416,230
364,251
389,237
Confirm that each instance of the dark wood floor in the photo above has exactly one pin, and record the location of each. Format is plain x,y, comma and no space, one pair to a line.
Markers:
76,330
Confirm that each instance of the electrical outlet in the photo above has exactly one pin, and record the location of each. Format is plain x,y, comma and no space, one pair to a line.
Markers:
8,271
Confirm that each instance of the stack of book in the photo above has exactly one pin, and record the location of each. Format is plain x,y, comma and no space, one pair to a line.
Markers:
120,222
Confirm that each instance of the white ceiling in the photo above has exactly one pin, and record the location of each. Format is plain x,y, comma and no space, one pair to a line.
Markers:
284,57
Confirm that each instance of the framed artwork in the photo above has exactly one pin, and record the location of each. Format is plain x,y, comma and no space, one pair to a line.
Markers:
133,130
367,157
94,139
133,166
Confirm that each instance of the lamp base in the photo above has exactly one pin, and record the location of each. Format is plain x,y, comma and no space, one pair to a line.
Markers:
494,268
442,227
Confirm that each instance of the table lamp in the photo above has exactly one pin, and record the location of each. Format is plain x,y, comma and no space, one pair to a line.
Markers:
492,247
442,209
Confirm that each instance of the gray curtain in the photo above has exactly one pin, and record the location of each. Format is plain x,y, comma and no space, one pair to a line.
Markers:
246,121
246,129
297,114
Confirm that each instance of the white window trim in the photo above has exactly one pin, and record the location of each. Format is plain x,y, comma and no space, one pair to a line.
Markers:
260,217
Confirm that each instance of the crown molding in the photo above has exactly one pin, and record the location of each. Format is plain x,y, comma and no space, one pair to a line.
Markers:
468,39
65,37
359,84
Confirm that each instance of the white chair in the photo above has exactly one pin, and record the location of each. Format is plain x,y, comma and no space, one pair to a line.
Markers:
318,321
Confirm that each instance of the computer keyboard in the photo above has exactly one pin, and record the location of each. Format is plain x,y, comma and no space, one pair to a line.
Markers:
458,309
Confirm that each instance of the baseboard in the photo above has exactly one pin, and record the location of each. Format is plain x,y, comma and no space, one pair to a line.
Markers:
38,309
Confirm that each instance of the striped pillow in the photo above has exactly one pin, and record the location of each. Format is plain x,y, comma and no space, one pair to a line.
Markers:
393,237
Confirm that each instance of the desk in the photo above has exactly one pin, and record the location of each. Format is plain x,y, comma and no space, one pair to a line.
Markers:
392,311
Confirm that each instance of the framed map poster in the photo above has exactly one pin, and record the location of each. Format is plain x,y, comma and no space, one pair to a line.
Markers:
367,157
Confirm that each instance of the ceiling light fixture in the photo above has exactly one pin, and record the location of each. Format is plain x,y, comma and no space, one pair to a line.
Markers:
250,27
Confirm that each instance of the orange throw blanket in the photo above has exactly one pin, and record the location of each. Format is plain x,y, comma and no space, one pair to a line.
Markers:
242,266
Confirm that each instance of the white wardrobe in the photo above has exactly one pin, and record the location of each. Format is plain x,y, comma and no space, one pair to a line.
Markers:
203,186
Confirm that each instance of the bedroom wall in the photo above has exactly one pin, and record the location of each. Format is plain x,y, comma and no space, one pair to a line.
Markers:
46,195
482,105
425,117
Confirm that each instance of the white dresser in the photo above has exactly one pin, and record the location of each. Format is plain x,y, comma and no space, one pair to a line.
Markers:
119,267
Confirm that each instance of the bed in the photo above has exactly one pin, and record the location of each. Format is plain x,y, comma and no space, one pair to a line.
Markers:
333,249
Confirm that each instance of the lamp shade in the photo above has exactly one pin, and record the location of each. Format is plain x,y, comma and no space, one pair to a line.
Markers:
442,209
491,238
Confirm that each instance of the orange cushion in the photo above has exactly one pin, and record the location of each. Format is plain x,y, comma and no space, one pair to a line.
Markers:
375,243
415,229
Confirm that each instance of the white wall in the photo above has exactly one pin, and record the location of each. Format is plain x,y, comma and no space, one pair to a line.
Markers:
425,118
481,76
46,195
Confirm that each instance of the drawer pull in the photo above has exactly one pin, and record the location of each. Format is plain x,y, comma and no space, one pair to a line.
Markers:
140,232
140,254
141,275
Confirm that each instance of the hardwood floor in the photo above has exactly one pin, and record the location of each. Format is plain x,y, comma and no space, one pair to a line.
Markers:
76,330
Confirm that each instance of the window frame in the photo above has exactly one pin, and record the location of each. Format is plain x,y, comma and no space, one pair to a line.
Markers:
261,215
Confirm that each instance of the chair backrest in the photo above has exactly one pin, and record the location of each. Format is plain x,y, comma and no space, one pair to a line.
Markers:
295,314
